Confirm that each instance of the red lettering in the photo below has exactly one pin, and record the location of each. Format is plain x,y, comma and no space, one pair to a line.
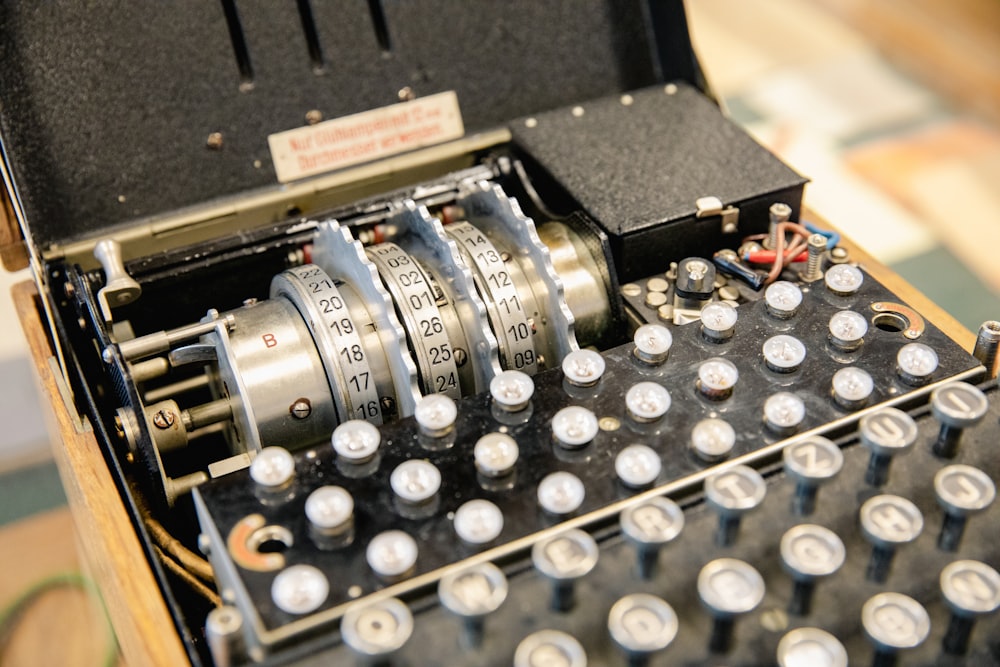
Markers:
270,340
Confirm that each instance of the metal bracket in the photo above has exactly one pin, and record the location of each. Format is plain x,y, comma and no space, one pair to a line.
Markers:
707,207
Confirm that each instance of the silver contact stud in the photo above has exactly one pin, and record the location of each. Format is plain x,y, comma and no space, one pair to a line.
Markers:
847,330
224,635
784,412
512,390
272,468
563,559
811,463
811,647
472,593
435,415
647,401
391,554
377,629
733,493
583,368
717,377
495,454
894,622
561,493
728,588
961,491
718,321
712,439
888,522
642,625
637,466
550,648
784,354
478,521
330,509
852,387
782,299
844,279
650,526
574,427
356,441
971,589
300,589
652,343
915,363
809,552
415,481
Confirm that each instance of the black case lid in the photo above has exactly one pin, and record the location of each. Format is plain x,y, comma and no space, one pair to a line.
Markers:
105,107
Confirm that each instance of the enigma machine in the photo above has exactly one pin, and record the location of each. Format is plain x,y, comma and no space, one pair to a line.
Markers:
472,333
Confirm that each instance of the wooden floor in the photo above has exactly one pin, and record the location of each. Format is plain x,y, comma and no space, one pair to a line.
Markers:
65,625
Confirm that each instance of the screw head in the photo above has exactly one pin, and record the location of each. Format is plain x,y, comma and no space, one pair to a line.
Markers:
164,419
301,408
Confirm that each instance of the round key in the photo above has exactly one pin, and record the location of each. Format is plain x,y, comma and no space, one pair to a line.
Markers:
894,622
300,589
728,588
784,354
642,625
843,279
971,589
495,454
733,493
330,510
574,427
478,522
717,377
391,554
886,433
512,390
852,387
847,330
650,526
782,299
811,647
712,440
784,413
356,441
718,321
473,593
377,629
637,466
652,344
563,559
550,648
811,463
916,363
273,468
647,401
435,415
888,522
561,493
809,552
957,406
415,481
583,368
961,491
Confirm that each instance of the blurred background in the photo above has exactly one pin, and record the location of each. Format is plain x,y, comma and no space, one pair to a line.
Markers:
892,108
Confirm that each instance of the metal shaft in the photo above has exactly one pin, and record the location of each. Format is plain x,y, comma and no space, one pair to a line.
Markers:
802,595
956,638
951,532
721,639
879,564
878,469
987,348
946,445
804,500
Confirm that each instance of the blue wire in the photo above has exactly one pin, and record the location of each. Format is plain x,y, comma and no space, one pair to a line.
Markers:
832,237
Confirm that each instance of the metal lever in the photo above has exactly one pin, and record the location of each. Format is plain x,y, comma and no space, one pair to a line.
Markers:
119,287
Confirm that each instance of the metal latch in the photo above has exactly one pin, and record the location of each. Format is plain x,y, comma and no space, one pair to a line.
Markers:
708,206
